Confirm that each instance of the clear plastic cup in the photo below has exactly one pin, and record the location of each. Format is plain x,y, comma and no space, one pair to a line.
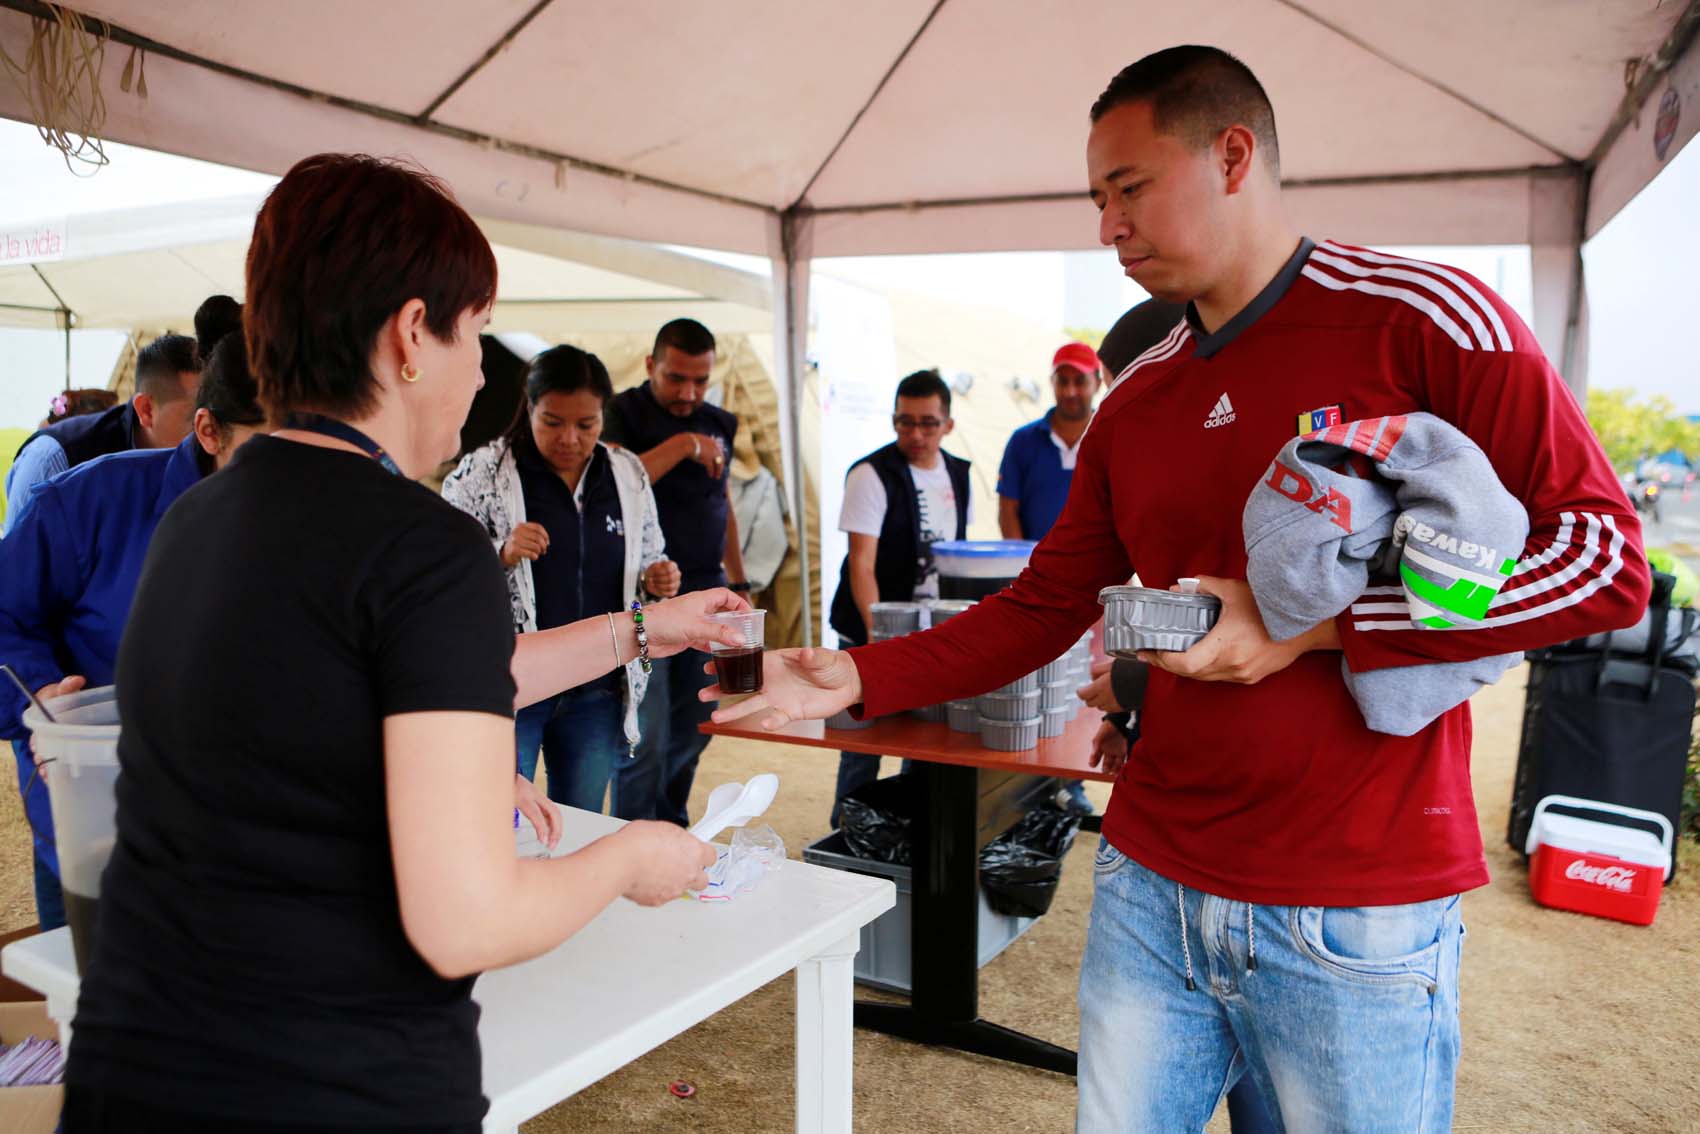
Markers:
738,668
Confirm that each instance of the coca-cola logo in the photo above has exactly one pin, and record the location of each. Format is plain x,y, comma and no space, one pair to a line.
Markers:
1616,878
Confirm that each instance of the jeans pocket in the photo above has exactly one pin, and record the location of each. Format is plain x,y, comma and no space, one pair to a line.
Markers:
1377,944
1108,860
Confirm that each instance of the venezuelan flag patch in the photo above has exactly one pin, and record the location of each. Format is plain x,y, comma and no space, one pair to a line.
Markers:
1317,420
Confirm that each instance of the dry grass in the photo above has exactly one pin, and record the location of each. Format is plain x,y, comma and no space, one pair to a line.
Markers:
1571,1024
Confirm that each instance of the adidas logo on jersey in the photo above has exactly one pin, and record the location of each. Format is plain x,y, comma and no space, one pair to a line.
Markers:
1222,413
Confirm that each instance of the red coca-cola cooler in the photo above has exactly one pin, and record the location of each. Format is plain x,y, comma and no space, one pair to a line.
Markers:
1612,866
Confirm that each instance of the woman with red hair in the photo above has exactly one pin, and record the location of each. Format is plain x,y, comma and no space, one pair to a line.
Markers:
317,685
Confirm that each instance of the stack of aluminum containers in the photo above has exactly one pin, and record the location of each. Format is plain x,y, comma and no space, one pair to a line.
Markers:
963,716
894,620
1011,718
1014,718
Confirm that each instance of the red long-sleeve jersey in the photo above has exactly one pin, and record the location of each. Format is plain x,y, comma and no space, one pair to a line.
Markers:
1277,792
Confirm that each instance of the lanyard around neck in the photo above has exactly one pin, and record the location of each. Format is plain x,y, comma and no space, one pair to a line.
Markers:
342,431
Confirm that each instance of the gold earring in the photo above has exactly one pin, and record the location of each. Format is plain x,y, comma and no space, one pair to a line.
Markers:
410,372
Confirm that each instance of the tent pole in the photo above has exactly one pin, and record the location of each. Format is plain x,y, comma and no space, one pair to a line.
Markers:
791,321
1558,208
1575,360
66,316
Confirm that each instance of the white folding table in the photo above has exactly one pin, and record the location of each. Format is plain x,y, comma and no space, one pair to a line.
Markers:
631,980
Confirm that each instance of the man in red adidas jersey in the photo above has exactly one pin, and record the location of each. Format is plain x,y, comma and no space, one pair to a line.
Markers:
1277,893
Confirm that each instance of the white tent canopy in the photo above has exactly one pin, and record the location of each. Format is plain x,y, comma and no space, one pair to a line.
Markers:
816,129
150,267
905,125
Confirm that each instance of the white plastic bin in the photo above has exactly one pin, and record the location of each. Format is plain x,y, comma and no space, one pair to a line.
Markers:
82,743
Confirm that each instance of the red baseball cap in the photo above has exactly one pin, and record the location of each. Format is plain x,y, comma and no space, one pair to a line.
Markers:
1078,355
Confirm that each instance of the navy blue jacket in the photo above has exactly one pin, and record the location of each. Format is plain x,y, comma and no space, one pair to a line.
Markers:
70,567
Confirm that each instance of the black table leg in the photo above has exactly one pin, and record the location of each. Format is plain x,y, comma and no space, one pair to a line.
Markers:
944,937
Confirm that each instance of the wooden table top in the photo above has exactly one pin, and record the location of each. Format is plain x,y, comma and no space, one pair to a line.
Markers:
903,735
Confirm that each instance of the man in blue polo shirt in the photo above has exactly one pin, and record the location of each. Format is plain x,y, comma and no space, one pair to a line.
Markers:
1038,462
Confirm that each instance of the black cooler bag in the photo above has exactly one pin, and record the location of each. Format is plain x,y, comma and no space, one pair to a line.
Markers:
1608,725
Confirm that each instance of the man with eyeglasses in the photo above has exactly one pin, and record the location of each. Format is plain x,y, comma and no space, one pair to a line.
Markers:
898,501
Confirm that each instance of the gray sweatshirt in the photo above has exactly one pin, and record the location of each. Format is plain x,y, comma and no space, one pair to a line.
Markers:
1408,501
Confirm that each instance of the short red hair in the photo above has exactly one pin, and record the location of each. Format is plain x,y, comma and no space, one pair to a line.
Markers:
340,245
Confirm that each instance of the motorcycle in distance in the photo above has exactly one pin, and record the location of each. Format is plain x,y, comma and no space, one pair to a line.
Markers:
1645,494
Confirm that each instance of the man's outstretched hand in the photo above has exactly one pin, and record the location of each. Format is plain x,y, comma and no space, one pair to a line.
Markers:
797,685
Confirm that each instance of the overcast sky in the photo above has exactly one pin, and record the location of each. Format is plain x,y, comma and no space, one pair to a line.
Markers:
1641,274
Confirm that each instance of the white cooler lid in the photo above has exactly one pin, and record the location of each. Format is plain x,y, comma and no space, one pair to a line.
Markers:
1572,833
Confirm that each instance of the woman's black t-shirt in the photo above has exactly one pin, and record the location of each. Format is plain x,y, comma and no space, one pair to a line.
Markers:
250,960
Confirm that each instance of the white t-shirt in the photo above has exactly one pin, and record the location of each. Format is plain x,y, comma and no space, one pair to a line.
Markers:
935,501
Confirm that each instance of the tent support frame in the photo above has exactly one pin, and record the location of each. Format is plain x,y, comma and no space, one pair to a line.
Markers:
67,318
794,238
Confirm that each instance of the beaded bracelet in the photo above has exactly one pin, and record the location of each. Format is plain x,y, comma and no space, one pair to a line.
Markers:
642,635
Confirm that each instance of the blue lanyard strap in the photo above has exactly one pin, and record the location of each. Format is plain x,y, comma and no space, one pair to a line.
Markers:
342,431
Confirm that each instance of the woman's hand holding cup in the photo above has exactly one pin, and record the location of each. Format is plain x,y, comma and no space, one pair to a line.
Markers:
683,623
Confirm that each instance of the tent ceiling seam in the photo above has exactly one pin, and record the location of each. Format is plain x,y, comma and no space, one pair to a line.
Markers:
177,254
878,88
1566,169
494,50
122,35
1427,80
1681,36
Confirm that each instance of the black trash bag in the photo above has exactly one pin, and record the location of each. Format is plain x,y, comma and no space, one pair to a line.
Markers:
1020,869
878,818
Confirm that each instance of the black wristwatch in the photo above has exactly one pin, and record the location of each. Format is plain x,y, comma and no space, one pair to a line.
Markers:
740,588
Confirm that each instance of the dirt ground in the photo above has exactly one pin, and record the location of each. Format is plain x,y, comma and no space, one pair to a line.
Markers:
1571,1024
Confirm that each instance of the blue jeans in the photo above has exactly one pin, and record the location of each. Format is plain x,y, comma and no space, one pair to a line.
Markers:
583,743
657,785
1347,1022
49,896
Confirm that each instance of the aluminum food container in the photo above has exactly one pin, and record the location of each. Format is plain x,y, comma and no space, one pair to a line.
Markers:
1055,695
843,719
1003,707
933,714
963,716
1141,618
1026,684
1053,722
1058,670
1010,736
943,610
893,619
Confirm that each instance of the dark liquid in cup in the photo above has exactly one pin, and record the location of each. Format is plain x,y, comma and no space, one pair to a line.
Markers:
739,670
79,915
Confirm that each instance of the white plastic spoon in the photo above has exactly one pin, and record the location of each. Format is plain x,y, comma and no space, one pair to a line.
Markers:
722,797
752,801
